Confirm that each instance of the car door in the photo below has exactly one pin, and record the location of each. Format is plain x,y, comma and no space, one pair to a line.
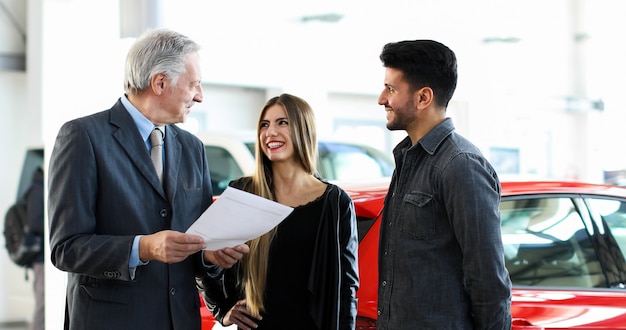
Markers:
564,264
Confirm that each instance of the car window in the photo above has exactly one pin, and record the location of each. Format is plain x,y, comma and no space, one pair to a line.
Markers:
613,212
546,243
223,168
250,146
363,226
349,166
340,161
32,160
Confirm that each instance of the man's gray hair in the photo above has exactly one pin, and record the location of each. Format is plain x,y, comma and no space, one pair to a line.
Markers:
156,51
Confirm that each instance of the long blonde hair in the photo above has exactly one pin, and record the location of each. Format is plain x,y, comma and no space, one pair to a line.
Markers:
303,134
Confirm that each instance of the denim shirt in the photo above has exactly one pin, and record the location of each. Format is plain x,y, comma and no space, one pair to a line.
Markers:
441,256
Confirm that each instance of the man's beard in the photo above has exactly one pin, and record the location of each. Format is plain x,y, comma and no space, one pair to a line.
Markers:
401,117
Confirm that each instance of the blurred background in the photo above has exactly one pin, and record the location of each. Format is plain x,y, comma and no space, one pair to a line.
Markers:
540,82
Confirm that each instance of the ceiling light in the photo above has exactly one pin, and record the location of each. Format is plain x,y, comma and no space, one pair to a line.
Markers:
325,18
504,40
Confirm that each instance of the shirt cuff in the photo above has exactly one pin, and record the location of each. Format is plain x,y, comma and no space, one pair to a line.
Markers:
134,260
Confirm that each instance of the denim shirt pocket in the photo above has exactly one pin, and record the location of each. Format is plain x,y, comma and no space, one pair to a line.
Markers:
418,215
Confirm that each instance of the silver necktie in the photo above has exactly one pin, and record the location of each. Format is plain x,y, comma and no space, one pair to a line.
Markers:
156,139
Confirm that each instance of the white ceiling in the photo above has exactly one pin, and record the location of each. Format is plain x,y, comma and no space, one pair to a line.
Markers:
265,37
363,22
249,34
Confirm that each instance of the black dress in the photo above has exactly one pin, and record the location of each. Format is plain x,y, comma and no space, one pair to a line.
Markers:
312,271
290,259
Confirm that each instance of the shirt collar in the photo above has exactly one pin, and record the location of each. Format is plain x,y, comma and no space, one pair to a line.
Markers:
144,125
431,141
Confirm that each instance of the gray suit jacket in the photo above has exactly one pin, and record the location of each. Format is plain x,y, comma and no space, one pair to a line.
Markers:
103,190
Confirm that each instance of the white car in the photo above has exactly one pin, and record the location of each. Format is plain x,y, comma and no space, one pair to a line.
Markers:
231,155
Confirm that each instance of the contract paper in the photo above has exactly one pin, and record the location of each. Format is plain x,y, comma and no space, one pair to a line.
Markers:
237,217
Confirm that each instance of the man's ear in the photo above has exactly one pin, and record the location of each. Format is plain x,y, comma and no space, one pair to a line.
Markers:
158,83
423,97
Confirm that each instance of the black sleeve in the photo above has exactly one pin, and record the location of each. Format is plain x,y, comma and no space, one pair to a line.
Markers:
220,294
348,243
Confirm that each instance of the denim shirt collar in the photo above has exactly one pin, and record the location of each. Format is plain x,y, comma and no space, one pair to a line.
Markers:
432,140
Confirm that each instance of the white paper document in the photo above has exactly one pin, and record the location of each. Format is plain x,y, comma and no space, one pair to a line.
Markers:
237,217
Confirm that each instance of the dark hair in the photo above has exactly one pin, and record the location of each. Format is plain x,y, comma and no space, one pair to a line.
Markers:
424,63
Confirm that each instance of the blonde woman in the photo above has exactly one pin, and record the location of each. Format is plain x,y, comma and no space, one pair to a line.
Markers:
304,273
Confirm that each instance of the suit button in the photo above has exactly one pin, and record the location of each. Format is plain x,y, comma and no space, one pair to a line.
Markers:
112,274
163,213
172,291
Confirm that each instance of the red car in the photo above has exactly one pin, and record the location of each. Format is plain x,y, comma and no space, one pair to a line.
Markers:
564,246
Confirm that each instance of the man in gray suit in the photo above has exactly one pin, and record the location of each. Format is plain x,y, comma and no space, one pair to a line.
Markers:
114,227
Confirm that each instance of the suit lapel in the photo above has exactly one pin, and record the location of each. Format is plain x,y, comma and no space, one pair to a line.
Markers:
129,139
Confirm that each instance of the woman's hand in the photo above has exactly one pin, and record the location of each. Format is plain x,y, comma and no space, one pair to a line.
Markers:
240,315
226,257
